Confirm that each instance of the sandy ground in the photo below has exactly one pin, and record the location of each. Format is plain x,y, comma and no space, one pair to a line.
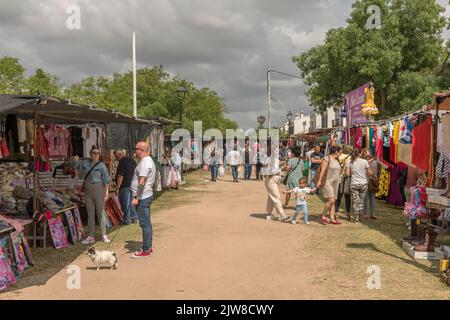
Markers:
219,248
217,244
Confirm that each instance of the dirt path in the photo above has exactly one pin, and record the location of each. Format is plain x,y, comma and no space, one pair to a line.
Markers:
219,248
217,244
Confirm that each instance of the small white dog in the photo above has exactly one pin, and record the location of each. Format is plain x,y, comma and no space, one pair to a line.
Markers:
103,258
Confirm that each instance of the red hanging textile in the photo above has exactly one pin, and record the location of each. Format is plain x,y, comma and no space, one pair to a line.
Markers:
421,145
358,138
379,150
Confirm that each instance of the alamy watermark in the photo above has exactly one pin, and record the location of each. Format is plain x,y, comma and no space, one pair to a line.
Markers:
73,281
374,21
73,22
374,280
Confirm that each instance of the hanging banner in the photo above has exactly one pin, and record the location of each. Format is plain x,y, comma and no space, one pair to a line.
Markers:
354,101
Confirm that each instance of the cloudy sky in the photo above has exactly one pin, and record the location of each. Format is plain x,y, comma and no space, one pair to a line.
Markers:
222,44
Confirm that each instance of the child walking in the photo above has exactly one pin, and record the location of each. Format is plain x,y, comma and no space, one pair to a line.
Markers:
301,200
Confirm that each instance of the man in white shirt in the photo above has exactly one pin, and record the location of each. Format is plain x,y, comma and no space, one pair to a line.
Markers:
234,160
142,189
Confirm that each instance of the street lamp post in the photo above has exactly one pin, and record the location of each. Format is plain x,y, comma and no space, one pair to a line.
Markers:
181,93
261,120
291,127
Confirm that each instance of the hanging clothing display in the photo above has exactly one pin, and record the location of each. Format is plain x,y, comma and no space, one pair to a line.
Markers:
445,134
384,183
358,138
405,142
22,130
395,195
90,140
421,145
12,133
396,139
443,167
76,141
373,140
58,141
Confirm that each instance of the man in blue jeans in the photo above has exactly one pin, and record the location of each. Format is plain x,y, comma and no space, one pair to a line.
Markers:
124,176
247,163
212,158
142,189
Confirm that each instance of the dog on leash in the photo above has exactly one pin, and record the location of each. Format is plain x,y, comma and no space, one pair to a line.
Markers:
103,258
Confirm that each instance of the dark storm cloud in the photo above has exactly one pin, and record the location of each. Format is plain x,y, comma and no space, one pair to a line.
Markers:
224,45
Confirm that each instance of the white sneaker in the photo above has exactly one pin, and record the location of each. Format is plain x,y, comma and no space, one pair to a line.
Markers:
105,239
293,222
306,222
88,240
284,218
269,217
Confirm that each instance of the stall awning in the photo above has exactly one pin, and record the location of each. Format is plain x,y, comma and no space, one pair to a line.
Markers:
316,135
52,108
444,105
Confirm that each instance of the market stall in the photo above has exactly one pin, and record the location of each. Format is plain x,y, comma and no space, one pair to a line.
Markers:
42,139
412,147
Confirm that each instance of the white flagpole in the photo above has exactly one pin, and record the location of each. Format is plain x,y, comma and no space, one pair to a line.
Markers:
134,77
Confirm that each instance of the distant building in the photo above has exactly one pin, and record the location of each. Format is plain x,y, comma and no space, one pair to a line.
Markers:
314,121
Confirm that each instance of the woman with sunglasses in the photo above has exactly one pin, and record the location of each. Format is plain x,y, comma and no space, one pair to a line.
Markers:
96,189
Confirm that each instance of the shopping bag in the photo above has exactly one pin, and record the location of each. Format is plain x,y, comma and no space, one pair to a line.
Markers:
221,172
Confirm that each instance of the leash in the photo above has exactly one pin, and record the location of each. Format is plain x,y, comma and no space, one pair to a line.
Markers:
114,238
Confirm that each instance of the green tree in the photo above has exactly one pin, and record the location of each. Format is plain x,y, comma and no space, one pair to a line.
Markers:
409,44
11,75
156,96
43,83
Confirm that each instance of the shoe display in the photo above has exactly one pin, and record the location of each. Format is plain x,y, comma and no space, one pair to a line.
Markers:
420,238
430,240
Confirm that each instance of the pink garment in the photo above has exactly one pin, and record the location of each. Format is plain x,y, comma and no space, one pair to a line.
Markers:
358,138
58,141
416,208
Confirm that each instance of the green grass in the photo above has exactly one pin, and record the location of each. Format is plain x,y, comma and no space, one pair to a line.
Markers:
351,248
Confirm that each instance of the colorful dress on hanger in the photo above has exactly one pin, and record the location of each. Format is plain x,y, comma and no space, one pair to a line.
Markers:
384,182
405,142
395,195
421,147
